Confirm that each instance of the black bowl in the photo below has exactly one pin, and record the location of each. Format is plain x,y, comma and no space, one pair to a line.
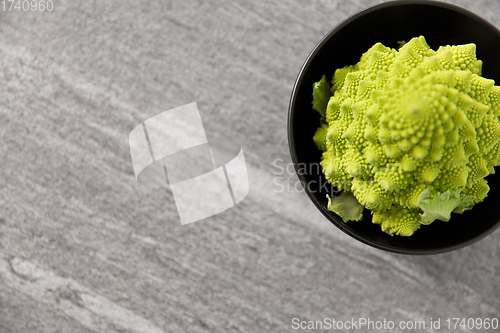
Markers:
388,23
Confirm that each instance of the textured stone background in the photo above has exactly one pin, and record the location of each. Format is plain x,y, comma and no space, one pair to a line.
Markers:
83,248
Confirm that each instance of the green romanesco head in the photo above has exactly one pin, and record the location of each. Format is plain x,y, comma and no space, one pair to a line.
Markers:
405,123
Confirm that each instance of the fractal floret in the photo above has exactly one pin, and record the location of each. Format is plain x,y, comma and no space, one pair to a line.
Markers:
410,133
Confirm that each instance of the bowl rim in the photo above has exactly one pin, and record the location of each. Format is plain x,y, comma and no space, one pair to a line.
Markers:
291,140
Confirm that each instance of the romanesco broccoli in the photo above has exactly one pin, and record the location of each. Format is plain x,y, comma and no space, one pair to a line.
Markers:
413,131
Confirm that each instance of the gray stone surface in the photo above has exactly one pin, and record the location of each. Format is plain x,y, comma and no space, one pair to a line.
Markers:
83,248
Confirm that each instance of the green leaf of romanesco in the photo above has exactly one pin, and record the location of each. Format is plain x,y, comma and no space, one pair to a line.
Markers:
321,95
320,136
346,206
441,206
